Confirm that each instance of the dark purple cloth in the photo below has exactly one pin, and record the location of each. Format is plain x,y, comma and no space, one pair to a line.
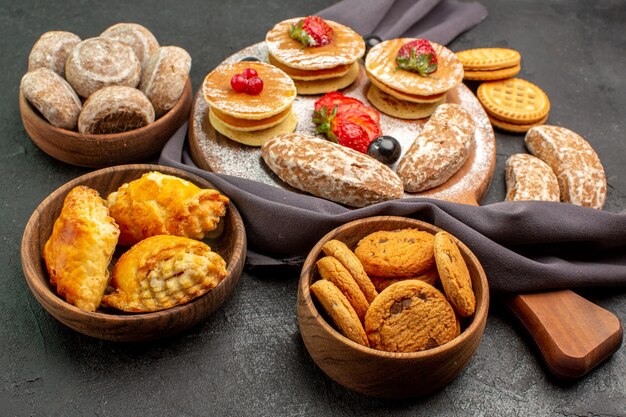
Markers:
523,246
437,20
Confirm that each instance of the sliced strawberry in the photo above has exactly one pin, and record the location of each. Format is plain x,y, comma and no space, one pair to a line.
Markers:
312,31
352,135
351,127
361,118
344,103
417,56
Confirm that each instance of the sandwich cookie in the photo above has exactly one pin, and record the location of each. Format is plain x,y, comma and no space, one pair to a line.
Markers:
319,55
488,64
415,75
250,102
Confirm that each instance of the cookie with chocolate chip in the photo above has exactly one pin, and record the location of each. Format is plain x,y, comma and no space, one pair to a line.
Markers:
410,316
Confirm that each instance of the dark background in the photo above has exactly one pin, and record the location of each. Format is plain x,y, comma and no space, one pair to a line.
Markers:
248,358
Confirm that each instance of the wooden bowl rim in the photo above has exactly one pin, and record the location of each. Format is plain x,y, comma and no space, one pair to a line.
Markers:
479,316
135,134
41,286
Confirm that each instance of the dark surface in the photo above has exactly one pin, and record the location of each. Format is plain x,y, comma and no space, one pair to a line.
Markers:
248,359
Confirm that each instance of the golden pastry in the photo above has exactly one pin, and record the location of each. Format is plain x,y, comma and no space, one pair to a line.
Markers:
158,204
163,271
80,248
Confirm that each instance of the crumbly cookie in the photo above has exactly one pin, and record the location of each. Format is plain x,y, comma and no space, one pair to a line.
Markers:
340,311
454,275
348,259
381,283
332,270
410,316
396,253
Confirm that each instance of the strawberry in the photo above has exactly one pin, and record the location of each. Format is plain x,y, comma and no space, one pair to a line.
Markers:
311,31
351,127
417,56
335,98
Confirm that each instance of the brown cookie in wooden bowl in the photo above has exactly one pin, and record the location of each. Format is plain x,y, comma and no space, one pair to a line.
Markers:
229,241
379,373
97,151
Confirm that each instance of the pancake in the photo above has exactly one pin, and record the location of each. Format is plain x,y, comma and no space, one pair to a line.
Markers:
345,47
246,125
257,137
412,98
398,108
328,85
298,74
278,91
380,64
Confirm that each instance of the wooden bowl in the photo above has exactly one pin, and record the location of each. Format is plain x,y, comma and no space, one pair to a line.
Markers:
109,324
374,372
97,151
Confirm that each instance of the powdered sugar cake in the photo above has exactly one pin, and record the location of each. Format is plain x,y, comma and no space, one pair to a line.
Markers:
347,46
212,151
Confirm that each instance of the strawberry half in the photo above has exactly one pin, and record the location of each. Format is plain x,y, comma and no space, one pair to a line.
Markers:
311,31
336,99
417,56
351,126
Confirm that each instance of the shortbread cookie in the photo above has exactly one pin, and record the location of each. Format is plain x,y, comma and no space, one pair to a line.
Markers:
439,151
514,101
380,64
255,137
491,75
164,76
327,85
410,316
115,109
330,171
481,59
454,275
51,51
400,109
336,305
529,178
430,277
578,169
348,259
396,253
53,97
515,127
332,270
139,38
345,48
99,62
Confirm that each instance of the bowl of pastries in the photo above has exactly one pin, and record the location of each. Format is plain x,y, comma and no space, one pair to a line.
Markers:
133,252
392,307
111,99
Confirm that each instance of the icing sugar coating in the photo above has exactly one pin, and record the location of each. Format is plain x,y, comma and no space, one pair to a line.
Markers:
380,64
529,178
139,38
278,92
51,51
578,169
345,47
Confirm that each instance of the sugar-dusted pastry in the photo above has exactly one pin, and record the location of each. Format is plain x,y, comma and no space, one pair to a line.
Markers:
163,271
159,204
139,38
80,248
51,51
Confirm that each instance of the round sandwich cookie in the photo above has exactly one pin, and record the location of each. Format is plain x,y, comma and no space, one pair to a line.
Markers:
320,55
250,102
488,59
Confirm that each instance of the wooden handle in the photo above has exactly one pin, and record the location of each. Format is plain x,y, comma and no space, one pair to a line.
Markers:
573,334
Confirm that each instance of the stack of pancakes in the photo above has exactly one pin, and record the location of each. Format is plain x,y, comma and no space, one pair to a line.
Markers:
316,70
245,118
404,94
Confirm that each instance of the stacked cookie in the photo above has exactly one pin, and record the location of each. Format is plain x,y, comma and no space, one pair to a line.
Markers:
127,79
409,313
409,94
248,118
489,64
319,55
564,168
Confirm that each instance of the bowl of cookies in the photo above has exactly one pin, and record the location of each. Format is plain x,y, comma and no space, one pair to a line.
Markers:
133,252
111,99
392,307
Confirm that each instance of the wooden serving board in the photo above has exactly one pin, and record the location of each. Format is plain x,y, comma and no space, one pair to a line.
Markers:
214,152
